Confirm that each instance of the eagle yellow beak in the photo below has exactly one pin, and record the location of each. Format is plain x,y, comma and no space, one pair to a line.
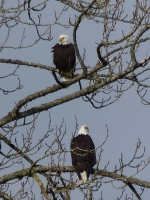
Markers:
60,39
85,126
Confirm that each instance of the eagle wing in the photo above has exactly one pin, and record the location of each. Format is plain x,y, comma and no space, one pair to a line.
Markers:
83,150
64,58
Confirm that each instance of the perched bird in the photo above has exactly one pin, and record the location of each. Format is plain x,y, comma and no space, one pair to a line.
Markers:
83,154
64,57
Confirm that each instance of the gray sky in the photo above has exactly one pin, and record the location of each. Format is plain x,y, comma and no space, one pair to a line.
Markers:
127,119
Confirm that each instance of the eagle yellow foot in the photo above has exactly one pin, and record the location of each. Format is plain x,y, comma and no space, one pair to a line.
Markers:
63,73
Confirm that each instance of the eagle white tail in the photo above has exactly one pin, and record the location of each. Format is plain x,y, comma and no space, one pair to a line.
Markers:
66,79
84,177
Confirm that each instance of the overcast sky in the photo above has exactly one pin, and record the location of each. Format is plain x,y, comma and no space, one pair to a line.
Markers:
127,119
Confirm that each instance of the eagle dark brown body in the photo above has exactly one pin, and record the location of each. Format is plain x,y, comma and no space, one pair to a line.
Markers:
83,155
64,58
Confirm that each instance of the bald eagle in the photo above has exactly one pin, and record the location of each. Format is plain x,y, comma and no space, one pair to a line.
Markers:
83,154
64,56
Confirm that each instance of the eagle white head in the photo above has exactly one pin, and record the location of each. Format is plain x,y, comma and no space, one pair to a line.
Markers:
84,130
64,39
